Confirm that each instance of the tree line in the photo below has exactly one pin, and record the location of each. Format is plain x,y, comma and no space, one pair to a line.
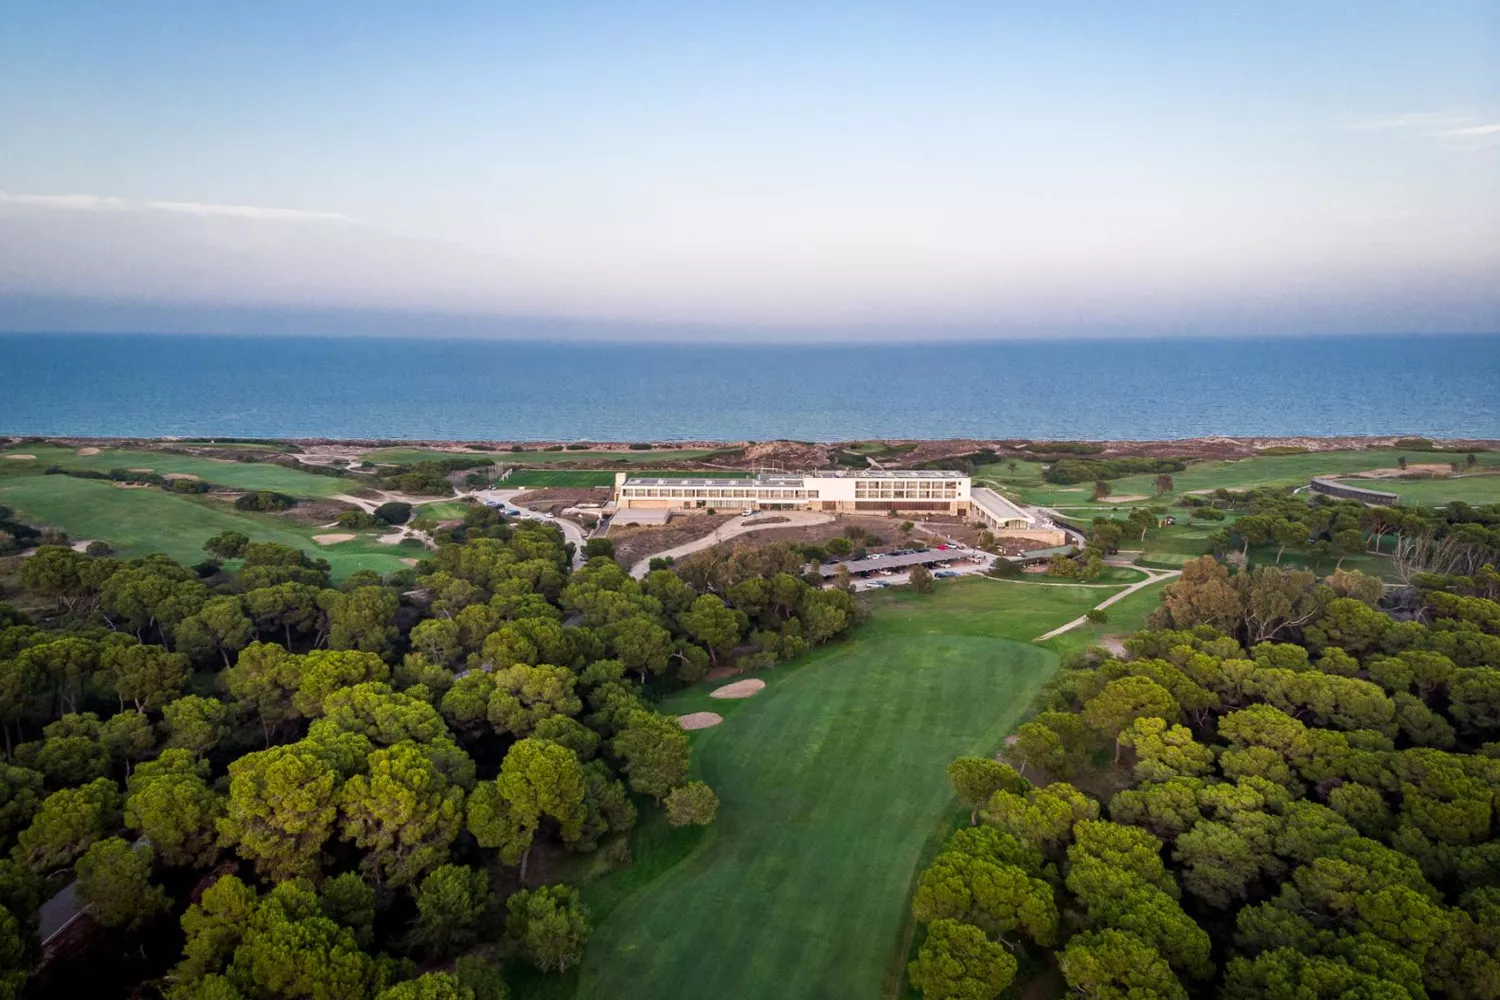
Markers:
1278,791
341,791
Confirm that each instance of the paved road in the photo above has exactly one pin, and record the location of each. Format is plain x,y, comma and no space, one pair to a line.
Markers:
794,519
571,531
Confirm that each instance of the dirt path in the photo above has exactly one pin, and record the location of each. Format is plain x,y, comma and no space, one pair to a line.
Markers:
793,518
1152,576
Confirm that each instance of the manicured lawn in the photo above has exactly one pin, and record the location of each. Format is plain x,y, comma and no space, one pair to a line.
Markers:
1125,617
1235,474
138,522
584,478
566,478
240,475
507,457
1479,489
831,782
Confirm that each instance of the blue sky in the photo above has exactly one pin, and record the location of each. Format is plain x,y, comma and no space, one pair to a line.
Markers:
756,170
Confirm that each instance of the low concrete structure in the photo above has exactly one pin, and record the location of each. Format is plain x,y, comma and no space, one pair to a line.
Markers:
1372,498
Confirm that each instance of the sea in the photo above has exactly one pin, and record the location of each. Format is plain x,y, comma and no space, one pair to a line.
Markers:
146,385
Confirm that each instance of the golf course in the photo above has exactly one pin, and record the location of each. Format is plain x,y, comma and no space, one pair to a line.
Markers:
832,783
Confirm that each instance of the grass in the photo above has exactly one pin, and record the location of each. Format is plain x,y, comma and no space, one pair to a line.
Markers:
1235,474
1125,616
240,475
403,456
138,522
832,785
586,478
1473,489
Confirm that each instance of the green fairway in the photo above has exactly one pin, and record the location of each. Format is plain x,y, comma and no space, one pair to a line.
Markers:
1125,617
405,456
831,781
565,478
584,478
239,475
1480,489
1027,483
138,522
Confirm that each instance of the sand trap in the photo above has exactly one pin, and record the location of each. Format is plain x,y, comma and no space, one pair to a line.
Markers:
1132,498
1201,493
392,538
739,689
410,562
699,720
179,475
21,458
332,539
82,545
139,470
87,451
1412,468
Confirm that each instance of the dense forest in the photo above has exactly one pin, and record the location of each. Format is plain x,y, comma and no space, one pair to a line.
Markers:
1285,789
261,785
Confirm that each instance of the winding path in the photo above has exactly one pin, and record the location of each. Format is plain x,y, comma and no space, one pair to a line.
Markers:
1152,576
794,519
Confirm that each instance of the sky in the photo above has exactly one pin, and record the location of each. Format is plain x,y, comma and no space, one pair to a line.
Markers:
763,170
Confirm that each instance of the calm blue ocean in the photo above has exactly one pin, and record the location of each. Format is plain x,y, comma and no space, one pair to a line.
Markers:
143,385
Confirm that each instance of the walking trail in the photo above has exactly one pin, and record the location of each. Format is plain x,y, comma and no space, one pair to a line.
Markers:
1152,576
794,519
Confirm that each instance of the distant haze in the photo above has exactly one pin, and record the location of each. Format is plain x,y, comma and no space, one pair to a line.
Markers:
775,171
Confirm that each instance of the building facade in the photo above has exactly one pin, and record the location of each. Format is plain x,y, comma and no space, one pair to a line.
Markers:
863,491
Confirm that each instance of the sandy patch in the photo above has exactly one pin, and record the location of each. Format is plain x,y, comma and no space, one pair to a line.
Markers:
1201,493
739,689
410,562
179,475
1132,498
332,539
21,458
82,546
1412,469
139,470
699,720
87,451
392,538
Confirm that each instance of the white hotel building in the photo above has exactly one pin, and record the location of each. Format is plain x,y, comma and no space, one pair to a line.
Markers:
867,491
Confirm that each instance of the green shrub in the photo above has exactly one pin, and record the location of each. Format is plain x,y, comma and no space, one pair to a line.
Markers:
265,500
393,513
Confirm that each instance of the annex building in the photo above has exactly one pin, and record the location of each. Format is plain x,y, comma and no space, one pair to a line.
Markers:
836,491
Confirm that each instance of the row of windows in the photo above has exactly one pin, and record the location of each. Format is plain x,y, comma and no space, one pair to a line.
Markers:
662,493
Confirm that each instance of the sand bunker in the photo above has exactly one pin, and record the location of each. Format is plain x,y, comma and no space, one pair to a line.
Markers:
392,538
179,475
82,545
1132,498
21,458
87,451
699,720
332,539
739,689
138,470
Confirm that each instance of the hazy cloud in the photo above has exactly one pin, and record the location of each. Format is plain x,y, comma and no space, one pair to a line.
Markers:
106,203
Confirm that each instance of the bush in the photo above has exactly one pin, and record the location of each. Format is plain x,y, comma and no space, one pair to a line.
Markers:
1005,569
598,547
393,513
1207,514
1097,616
265,500
576,447
98,548
356,520
639,446
694,803
1078,470
1414,444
